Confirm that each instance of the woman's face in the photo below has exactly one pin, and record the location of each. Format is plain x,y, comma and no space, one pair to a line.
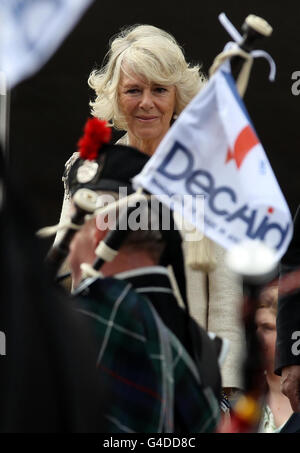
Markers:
148,108
265,320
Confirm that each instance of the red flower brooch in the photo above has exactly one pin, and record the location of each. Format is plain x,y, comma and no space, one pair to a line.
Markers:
96,133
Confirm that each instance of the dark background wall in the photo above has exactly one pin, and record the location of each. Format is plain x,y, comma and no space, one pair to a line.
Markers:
48,110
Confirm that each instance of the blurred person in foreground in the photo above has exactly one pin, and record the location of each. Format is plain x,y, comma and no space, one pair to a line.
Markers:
160,367
277,409
287,363
143,86
48,379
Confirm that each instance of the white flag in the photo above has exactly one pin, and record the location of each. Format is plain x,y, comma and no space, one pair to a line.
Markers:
31,31
212,149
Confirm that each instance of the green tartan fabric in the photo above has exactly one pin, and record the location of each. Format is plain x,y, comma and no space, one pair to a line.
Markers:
154,384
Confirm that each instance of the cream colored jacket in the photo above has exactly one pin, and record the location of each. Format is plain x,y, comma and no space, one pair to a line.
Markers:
215,300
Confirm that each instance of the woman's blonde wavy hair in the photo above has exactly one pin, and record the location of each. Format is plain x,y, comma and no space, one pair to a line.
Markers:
152,54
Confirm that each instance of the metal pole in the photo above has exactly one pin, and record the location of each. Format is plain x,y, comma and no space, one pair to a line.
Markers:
4,114
4,117
4,132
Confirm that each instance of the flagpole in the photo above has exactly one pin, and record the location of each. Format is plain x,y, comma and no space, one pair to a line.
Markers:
247,411
4,119
4,115
253,30
4,134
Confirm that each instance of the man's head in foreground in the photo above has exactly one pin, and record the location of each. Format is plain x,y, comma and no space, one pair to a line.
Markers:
140,248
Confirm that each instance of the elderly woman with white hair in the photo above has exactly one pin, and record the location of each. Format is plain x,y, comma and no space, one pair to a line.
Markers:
143,87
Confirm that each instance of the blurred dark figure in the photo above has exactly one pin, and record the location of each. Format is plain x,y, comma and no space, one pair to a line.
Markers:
48,380
287,363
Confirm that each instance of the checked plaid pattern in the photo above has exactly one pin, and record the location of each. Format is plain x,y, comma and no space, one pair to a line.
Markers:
154,384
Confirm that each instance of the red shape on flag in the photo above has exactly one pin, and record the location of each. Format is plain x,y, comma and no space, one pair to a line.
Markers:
245,141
